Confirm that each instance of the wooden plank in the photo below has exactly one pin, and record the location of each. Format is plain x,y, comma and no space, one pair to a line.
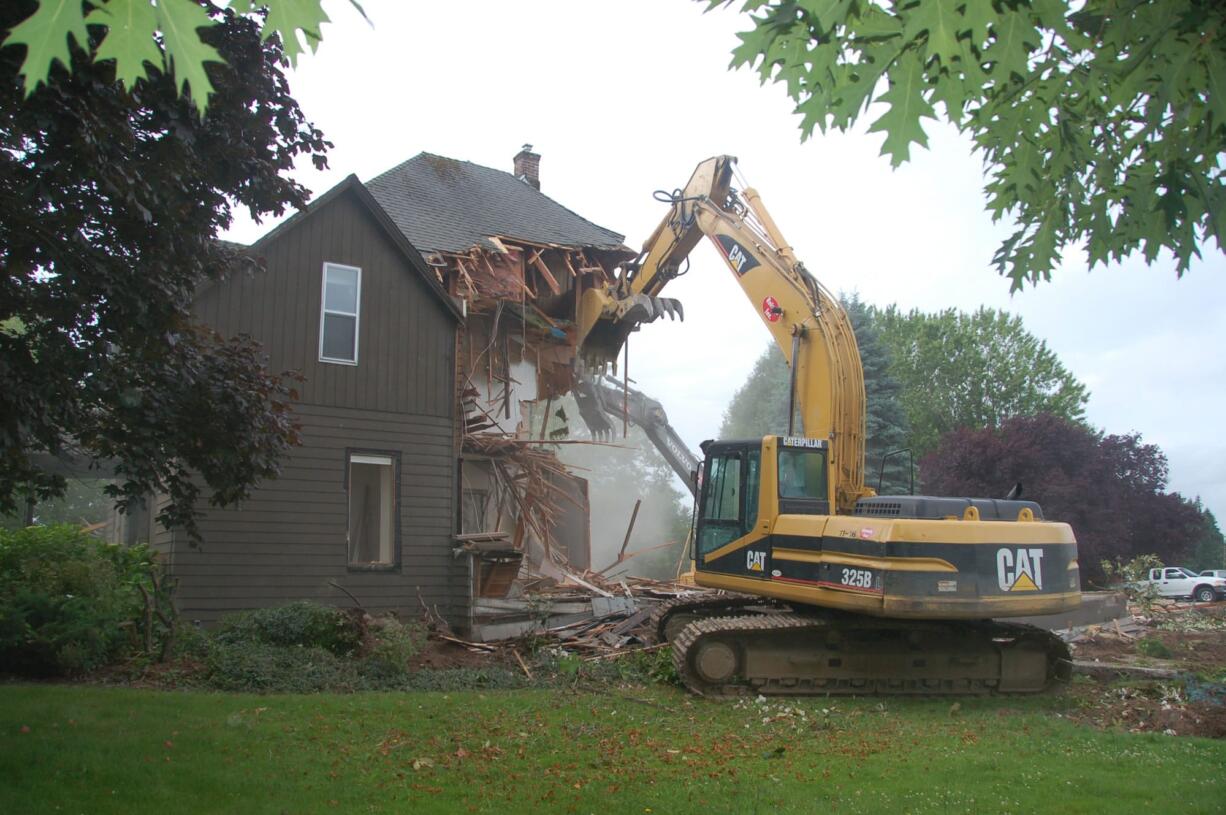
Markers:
545,273
1105,670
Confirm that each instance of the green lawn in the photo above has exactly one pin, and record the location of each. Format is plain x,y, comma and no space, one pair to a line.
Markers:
96,750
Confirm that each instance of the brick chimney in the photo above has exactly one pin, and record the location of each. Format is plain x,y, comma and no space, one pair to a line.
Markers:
528,166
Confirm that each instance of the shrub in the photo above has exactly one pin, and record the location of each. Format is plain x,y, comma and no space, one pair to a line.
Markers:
391,646
258,666
304,647
69,603
1131,578
1153,647
300,624
456,679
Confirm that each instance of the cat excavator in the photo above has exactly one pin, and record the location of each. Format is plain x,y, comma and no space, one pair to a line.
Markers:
828,588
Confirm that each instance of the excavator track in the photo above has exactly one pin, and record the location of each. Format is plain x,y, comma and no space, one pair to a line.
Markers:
669,618
791,654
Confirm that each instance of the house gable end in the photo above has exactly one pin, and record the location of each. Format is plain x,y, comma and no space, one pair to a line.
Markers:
405,326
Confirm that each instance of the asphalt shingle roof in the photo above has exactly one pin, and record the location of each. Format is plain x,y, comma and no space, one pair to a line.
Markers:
445,205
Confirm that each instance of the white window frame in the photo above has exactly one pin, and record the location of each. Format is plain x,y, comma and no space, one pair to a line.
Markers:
324,311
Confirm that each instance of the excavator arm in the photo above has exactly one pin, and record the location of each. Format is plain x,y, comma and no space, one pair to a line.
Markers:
803,317
600,397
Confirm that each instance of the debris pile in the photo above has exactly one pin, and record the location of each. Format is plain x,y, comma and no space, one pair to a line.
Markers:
600,618
1162,668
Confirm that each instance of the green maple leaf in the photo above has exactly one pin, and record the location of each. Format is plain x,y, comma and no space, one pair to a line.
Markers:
977,17
129,38
186,53
1015,37
829,13
45,35
1215,64
13,327
289,17
873,24
852,88
908,106
942,21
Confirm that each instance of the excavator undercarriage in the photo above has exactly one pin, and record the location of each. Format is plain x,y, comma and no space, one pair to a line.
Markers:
734,646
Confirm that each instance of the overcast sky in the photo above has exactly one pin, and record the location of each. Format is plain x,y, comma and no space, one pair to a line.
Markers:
624,98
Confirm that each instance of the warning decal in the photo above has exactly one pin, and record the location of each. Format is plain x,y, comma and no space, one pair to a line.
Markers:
771,309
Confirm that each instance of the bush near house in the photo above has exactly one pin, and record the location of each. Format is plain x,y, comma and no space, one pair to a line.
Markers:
303,647
69,603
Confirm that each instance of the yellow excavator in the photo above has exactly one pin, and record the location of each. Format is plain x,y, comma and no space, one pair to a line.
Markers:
828,587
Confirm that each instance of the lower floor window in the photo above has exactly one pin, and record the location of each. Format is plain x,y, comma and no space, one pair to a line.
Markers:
372,509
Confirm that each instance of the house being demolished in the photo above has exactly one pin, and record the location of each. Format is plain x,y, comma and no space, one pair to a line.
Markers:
519,262
431,313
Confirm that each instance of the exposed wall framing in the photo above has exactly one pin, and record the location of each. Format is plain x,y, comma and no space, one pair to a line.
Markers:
516,356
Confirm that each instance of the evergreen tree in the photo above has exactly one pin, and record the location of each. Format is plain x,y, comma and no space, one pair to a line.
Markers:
886,427
1209,550
760,406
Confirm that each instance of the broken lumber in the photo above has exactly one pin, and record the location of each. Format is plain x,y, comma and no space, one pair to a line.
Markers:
1110,670
545,273
629,529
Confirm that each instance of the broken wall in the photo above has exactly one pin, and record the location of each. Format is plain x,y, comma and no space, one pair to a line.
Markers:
515,361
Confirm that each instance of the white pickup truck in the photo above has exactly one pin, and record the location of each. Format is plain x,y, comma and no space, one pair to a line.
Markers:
1176,581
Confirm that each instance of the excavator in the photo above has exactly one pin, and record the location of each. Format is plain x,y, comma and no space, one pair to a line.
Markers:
828,588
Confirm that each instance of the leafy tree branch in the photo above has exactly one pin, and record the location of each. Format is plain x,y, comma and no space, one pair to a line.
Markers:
163,35
1102,128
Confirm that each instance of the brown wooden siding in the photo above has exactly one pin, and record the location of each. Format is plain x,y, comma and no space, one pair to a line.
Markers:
289,541
405,338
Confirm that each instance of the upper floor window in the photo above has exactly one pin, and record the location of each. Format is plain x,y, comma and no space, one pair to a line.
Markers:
338,320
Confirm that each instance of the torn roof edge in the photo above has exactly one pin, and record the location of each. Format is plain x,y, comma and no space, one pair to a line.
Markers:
618,239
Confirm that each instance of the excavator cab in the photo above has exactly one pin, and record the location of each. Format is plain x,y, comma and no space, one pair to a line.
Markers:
745,485
728,494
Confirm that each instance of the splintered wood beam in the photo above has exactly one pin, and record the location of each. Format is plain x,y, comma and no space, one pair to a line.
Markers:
545,273
544,317
569,267
485,258
592,266
629,530
468,281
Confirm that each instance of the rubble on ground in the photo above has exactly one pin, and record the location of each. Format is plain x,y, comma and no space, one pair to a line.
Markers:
1161,668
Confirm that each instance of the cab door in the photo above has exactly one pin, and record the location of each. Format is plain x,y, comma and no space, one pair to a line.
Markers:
1175,583
728,512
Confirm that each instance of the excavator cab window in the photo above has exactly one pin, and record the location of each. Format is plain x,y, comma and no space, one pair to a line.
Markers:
802,482
729,498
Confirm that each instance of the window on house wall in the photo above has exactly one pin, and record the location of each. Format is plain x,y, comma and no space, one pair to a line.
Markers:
372,509
338,320
475,503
